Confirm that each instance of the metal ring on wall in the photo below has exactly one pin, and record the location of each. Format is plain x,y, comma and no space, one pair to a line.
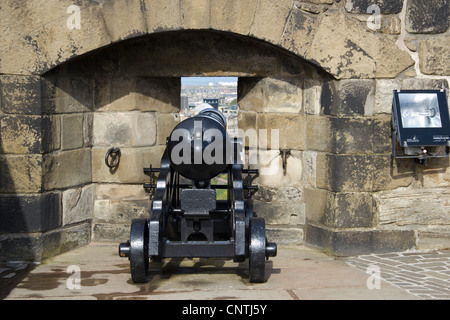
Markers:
114,154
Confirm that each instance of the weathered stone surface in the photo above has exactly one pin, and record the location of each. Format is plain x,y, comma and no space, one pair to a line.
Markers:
195,14
349,210
359,173
386,6
270,165
67,168
270,19
21,95
29,213
21,173
124,19
67,94
138,94
402,207
270,95
130,169
347,242
162,15
166,123
39,246
285,236
433,54
348,97
384,94
433,239
425,84
27,134
285,125
357,53
233,15
72,131
124,129
109,232
78,204
427,16
299,32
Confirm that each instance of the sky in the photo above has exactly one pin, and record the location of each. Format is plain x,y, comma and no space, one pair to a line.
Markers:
206,80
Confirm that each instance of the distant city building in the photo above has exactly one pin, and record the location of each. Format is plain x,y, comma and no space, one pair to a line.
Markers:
184,103
213,102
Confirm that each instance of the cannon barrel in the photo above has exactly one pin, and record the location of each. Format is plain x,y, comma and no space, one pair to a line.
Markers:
199,147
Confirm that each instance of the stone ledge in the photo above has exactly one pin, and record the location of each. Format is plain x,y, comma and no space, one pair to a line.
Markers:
30,213
356,242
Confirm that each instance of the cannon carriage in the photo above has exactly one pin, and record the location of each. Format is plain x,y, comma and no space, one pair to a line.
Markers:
187,219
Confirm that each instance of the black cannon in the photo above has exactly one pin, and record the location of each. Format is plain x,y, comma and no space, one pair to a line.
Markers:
187,218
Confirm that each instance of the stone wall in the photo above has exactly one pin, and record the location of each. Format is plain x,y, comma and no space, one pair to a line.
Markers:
321,72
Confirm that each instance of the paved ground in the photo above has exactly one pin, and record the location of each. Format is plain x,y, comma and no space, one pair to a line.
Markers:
297,273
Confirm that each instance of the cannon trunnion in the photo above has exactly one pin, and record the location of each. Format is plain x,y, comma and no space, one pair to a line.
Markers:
187,218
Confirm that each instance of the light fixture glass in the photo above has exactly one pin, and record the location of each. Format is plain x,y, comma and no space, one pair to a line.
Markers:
420,110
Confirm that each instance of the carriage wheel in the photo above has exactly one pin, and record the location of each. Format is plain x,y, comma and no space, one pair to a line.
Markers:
139,251
257,250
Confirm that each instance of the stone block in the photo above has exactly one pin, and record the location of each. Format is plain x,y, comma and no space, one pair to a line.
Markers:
271,171
21,95
30,213
233,15
124,129
384,94
270,20
130,169
361,6
405,206
21,173
319,136
162,15
67,169
349,210
362,173
78,204
285,236
28,134
283,125
433,54
425,84
433,239
299,31
361,135
309,168
124,19
427,16
72,136
109,232
166,123
357,242
270,95
41,246
315,203
138,94
63,94
361,55
121,211
311,95
348,97
54,43
196,14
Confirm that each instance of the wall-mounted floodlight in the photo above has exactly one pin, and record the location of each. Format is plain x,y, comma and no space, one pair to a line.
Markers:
421,124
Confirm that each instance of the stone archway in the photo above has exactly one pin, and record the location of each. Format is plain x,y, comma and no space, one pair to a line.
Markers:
47,94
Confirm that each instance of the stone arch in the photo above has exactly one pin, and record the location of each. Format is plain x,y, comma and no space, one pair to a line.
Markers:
327,38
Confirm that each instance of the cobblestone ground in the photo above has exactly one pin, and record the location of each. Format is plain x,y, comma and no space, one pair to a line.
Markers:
423,274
